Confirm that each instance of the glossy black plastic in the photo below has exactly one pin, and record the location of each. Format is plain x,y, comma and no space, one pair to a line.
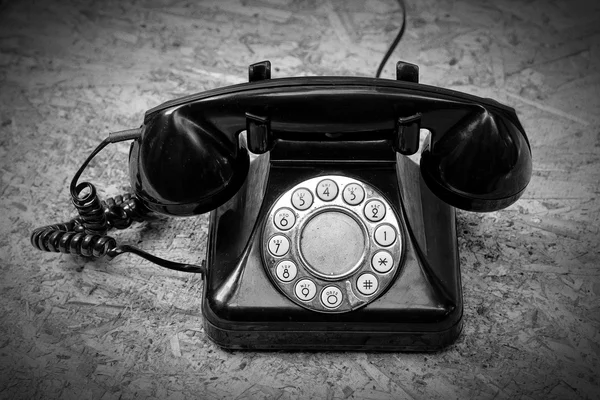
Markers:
421,311
407,72
191,158
408,132
259,71
182,165
482,163
188,159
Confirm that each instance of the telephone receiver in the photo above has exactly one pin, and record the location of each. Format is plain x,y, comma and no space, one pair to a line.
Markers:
323,234
477,157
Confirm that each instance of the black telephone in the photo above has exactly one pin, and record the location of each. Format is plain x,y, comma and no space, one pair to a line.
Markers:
323,234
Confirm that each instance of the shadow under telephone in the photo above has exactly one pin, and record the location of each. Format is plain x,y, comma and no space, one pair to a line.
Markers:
323,234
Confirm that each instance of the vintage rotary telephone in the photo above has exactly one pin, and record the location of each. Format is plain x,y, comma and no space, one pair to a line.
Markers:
323,234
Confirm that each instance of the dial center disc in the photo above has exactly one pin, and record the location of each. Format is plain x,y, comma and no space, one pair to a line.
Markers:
332,243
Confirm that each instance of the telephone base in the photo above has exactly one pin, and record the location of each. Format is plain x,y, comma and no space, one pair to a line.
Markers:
421,310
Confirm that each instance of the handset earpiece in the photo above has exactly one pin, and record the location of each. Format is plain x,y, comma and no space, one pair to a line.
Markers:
482,163
184,165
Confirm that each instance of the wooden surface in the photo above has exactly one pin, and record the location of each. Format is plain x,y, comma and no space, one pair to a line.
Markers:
71,71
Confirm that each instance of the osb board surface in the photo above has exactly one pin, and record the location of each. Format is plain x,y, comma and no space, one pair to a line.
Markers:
72,71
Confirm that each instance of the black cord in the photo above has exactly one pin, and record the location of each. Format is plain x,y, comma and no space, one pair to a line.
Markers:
85,235
395,42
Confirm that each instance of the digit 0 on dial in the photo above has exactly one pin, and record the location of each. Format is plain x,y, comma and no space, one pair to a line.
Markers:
332,243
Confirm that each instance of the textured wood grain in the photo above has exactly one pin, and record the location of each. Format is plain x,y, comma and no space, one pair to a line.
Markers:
71,71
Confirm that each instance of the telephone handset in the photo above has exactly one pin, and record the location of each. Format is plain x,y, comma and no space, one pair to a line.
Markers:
323,234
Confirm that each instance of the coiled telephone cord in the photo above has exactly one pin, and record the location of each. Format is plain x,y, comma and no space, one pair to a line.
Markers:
85,234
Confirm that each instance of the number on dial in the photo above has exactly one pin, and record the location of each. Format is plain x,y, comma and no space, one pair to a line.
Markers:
302,199
353,194
279,245
327,190
284,219
374,210
286,271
